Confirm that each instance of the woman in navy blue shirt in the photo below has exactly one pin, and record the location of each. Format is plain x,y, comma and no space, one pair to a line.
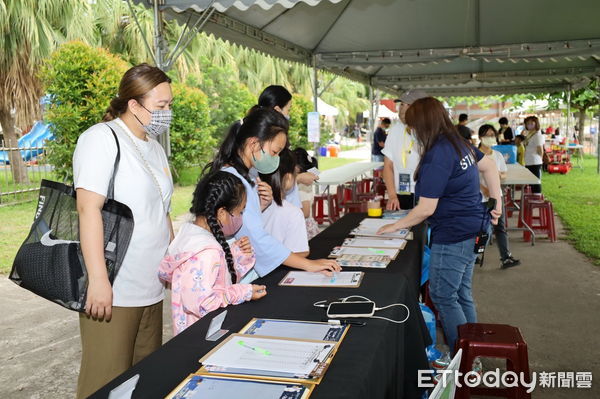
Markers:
449,198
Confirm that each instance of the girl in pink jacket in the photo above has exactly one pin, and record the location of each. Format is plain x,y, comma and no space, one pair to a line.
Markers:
200,265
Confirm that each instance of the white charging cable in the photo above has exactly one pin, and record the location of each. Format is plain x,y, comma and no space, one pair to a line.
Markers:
323,304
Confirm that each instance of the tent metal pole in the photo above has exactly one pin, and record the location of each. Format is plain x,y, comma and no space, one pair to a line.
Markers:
598,131
568,113
163,139
315,86
137,22
158,36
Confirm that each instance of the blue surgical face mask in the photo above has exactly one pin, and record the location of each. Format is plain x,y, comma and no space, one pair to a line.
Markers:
267,163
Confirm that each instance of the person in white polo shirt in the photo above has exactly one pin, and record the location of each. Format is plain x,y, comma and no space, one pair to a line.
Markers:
401,157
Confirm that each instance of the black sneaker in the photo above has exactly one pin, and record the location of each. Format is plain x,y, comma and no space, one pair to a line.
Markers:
509,262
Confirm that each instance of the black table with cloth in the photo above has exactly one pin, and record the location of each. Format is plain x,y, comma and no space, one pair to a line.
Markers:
379,360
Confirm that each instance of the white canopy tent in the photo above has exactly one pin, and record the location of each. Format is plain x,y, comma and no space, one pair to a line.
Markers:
382,112
326,109
447,48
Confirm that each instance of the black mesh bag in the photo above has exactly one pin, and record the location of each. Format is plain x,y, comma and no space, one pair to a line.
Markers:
50,263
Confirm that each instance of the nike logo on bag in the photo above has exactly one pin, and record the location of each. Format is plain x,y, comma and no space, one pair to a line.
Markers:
50,242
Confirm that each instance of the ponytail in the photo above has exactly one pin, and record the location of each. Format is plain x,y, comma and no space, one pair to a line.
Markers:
264,124
135,84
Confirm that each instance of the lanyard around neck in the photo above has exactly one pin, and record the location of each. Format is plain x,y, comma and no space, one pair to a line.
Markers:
404,150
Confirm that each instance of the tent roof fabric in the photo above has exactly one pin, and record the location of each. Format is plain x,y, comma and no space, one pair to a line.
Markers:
450,48
326,109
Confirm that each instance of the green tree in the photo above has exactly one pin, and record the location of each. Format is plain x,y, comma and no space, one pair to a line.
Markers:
301,106
191,139
81,81
228,99
29,31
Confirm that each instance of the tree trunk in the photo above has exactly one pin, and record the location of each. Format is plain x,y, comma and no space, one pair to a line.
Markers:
17,166
580,124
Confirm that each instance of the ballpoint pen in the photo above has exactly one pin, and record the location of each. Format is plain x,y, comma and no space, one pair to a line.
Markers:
256,349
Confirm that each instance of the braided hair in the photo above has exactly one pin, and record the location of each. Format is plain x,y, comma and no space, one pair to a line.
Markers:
214,191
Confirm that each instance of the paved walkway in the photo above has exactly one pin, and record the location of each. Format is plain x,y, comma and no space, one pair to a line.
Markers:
553,297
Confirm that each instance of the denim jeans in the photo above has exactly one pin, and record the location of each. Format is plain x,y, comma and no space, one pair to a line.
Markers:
450,277
376,158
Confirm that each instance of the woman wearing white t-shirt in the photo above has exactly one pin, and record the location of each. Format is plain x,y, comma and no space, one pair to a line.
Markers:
489,138
123,322
534,149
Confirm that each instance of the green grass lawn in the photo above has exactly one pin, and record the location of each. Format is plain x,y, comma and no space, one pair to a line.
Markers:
15,221
576,199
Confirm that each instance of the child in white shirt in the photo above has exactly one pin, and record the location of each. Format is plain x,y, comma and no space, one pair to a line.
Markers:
283,220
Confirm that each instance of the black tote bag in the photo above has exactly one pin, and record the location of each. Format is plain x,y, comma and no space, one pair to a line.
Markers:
50,262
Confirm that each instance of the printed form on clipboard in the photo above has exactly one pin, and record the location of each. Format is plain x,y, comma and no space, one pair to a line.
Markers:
310,279
320,331
371,261
281,359
368,242
336,252
208,387
371,231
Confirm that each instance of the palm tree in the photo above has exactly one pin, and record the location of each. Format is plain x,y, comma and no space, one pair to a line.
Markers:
29,31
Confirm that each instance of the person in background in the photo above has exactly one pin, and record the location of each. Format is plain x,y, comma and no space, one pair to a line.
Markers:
462,127
283,220
379,137
449,199
520,149
487,135
505,134
249,149
401,157
279,99
304,163
534,150
122,324
201,267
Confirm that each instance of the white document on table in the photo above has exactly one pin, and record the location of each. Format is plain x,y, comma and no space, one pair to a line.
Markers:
296,329
269,354
309,279
371,231
366,242
205,387
340,251
375,223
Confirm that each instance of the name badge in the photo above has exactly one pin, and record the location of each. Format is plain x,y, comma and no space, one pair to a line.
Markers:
404,183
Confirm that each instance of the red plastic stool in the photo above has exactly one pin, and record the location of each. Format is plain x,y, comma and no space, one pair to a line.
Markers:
379,189
378,173
526,198
333,207
318,208
354,207
493,340
345,192
365,186
545,220
509,202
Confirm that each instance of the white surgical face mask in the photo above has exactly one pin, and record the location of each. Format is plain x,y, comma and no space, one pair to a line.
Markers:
531,126
488,141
